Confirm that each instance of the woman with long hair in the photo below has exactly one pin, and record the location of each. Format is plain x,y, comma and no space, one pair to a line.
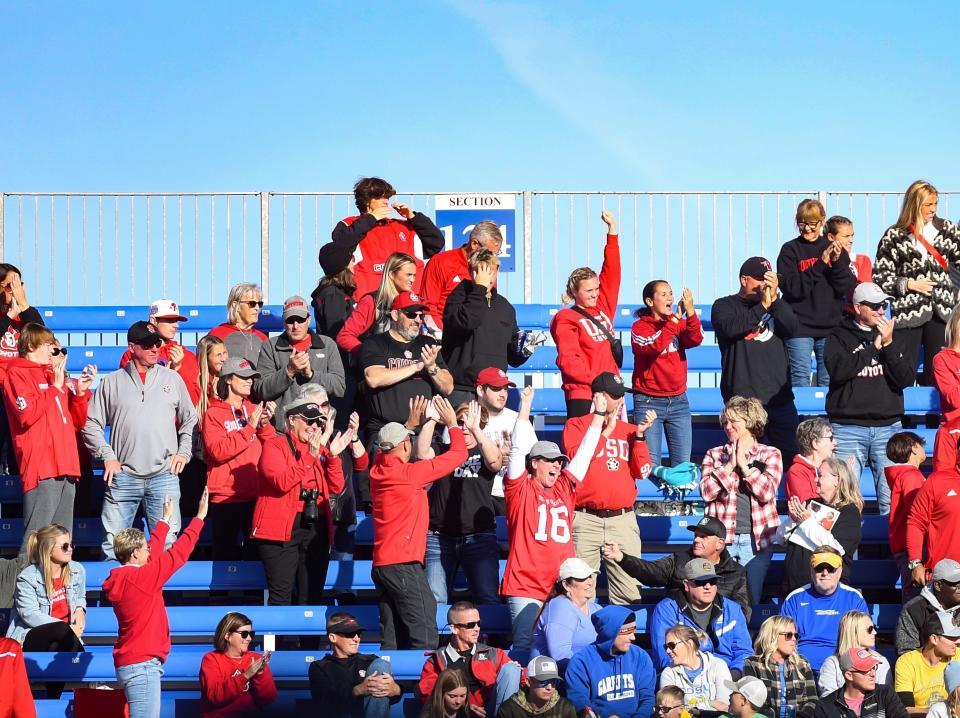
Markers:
372,313
787,675
913,266
332,300
449,698
584,330
660,339
234,680
239,334
211,354
839,489
949,708
563,625
700,675
856,630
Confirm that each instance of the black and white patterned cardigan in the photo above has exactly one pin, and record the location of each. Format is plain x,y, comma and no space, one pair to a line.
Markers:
899,260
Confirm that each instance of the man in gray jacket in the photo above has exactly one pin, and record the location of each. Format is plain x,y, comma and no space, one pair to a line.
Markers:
298,356
151,420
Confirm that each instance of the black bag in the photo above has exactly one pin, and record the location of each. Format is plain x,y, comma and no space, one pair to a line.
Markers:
616,346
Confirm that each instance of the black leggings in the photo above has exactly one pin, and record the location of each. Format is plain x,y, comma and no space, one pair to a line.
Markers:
578,407
931,336
56,637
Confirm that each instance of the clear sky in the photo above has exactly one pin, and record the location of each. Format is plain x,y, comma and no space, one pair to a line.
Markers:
461,95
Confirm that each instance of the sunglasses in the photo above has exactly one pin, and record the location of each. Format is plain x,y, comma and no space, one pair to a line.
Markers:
671,645
871,629
168,320
311,422
57,351
351,634
665,709
66,546
295,320
468,624
825,567
414,315
152,345
252,304
246,634
875,306
706,582
790,635
553,682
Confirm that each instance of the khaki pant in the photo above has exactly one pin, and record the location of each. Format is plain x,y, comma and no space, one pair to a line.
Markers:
589,533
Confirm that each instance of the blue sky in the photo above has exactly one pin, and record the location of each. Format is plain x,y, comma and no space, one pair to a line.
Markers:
460,95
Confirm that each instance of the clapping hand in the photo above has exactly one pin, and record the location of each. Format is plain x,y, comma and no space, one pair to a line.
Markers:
686,302
417,409
798,512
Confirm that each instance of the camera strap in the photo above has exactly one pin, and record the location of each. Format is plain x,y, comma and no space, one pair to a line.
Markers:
293,449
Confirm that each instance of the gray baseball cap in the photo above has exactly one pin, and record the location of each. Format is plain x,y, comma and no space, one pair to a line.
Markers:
392,435
547,450
543,668
238,366
946,570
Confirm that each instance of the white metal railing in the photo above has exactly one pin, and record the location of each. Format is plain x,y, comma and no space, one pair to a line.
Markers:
129,248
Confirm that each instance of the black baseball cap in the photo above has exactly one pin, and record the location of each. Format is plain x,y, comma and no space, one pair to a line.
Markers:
345,625
307,408
755,267
609,383
711,526
144,334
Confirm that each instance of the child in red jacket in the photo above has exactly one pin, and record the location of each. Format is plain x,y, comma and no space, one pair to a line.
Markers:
907,452
136,591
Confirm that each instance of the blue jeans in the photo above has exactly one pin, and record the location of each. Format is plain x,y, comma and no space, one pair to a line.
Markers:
799,350
868,445
523,616
377,707
744,551
141,685
344,542
673,416
478,554
123,497
508,683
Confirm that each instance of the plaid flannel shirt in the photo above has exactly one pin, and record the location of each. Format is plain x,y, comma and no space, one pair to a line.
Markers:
719,487
801,689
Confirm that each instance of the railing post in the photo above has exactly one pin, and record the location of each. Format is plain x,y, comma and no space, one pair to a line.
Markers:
528,247
265,244
3,218
822,196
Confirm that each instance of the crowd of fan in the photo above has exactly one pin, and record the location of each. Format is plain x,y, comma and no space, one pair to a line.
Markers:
395,402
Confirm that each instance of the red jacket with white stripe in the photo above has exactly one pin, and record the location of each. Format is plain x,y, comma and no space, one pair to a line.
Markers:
18,702
660,353
42,422
232,448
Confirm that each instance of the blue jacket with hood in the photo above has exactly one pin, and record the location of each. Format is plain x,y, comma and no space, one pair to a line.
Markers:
611,683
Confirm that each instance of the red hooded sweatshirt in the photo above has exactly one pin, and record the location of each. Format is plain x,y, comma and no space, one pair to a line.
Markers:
225,691
904,481
660,353
232,448
44,422
583,351
802,479
136,593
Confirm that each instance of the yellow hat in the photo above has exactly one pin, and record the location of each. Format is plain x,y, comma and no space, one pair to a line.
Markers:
827,557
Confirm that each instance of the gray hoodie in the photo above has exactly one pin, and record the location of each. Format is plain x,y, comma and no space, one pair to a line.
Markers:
149,422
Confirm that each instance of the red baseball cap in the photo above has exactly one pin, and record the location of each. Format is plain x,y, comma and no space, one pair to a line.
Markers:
407,300
491,376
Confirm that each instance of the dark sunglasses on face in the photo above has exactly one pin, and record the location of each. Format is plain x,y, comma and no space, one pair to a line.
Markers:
706,582
414,315
153,345
671,645
354,634
871,629
295,320
552,682
875,306
666,709
246,634
312,422
57,351
825,567
66,546
790,635
468,624
252,304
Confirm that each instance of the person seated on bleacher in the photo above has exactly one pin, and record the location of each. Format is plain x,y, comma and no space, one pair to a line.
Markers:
612,676
869,370
815,443
861,695
701,675
699,606
950,706
815,277
583,332
299,471
747,696
837,489
235,681
151,418
491,676
709,542
135,590
941,594
856,630
919,673
234,430
786,674
816,608
946,377
44,416
539,696
750,327
449,698
480,327
540,490
932,524
905,479
605,497
298,356
50,601
463,526
239,335
16,700
739,482
401,516
346,683
564,626
660,339
369,238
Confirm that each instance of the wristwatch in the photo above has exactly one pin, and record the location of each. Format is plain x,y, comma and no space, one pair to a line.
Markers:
914,563
599,413
434,371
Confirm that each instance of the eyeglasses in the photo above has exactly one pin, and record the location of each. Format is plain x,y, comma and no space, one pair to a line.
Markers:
66,547
950,584
875,306
706,582
153,345
352,634
311,422
414,315
808,225
671,645
666,709
871,629
825,567
295,320
252,304
790,635
827,437
168,320
468,624
246,634
57,351
552,682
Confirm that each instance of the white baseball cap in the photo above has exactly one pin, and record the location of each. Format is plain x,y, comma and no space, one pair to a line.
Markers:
576,568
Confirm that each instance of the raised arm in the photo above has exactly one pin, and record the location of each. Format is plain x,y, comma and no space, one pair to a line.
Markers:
578,466
523,437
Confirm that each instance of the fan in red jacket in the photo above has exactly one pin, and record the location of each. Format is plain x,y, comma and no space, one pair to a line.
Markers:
299,471
166,317
906,450
370,237
233,432
235,681
135,590
16,700
583,349
946,377
934,523
815,443
490,672
372,313
447,269
45,416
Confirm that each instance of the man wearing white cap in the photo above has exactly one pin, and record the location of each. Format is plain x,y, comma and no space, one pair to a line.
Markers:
941,594
747,696
860,696
165,315
868,370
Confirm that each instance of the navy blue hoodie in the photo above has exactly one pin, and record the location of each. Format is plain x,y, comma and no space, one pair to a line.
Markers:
611,683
